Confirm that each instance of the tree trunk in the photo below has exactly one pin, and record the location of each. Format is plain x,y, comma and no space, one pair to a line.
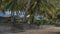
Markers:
35,9
27,7
12,18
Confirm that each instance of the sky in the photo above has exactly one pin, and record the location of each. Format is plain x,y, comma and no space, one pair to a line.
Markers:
8,13
21,14
1,14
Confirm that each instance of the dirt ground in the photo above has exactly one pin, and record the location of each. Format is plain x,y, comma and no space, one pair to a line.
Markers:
47,30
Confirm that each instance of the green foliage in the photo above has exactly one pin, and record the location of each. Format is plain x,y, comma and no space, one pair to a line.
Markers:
38,22
46,7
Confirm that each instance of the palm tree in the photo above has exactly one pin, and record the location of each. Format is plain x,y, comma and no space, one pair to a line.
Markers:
17,5
42,6
26,9
1,6
13,6
31,6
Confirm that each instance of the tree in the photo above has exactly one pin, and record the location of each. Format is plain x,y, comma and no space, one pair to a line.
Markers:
44,7
17,5
30,6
